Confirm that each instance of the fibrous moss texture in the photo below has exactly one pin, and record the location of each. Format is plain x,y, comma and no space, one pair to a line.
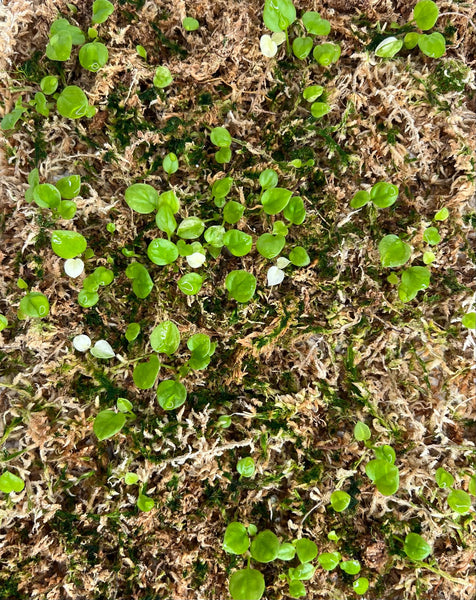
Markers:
322,342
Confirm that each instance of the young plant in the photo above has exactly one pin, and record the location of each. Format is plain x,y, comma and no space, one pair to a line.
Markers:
382,195
9,482
108,422
382,470
34,305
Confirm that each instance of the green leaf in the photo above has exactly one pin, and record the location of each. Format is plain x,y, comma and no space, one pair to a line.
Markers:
108,423
221,188
132,331
432,45
302,572
72,103
459,501
223,156
312,93
233,212
319,109
294,211
93,56
246,467
302,46
142,198
326,54
385,452
124,405
220,137
268,179
351,567
102,10
11,483
238,242
141,51
469,320
340,500
414,280
165,338
393,251
442,214
170,163
274,200
361,198
472,485
41,104
69,187
246,584
46,195
296,589
286,552
299,257
426,14
169,199
190,228
144,503
190,284
165,219
236,540
315,24
190,24
145,373
162,78
432,236
241,285
306,550
142,283
384,475
67,244
360,585
162,252
60,46
130,478
443,478
278,15
269,245
415,547
87,299
214,236
49,84
389,47
171,394
384,194
3,322
329,560
361,432
410,40
265,547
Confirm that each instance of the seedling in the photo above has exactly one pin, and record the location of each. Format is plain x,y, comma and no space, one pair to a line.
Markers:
163,77
340,500
33,305
382,195
393,251
414,280
415,547
93,56
107,423
9,482
382,470
170,163
241,285
246,467
190,24
132,332
102,10
73,103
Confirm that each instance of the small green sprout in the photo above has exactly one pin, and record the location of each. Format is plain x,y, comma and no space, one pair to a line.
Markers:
162,78
425,14
246,467
299,257
246,584
329,560
382,194
131,478
472,485
236,540
171,394
232,212
414,279
326,54
469,320
190,24
315,24
144,503
459,501
270,245
306,550
351,567
11,483
102,10
340,500
428,257
34,305
224,421
142,198
241,285
382,470
11,119
389,47
312,93
3,322
278,15
69,186
92,33
22,284
170,163
190,284
432,236
265,547
162,252
67,244
73,103
393,251
202,349
320,109
415,547
132,331
238,242
274,200
442,214
220,190
107,423
49,84
360,585
268,179
302,47
220,137
145,373
93,56
443,478
361,432
141,51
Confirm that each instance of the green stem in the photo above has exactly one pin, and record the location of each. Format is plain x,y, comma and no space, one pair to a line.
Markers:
441,573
